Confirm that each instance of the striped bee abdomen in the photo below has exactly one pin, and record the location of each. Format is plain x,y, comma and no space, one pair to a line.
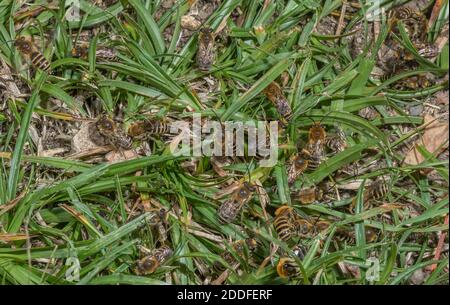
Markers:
283,222
39,61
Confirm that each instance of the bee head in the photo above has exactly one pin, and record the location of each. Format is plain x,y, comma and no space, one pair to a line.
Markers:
206,35
244,191
371,235
23,44
206,31
303,226
300,163
250,187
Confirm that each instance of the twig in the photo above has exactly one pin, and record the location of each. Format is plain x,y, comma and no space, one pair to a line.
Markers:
341,18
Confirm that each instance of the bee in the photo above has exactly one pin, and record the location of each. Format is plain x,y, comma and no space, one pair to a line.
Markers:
159,220
298,165
288,224
228,211
149,127
285,222
287,268
149,264
239,248
27,48
308,195
405,14
315,145
274,93
104,131
307,229
206,53
259,155
414,20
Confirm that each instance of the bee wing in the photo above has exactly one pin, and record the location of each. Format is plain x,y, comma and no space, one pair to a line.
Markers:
291,171
207,50
316,148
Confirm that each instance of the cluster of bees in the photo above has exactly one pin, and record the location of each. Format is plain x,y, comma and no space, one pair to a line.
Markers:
158,256
400,59
287,223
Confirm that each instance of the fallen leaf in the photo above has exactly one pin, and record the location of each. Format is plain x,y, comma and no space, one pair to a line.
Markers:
435,12
90,152
434,139
81,140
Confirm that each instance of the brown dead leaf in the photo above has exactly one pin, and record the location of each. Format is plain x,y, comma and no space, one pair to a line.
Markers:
81,141
435,12
121,155
434,139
